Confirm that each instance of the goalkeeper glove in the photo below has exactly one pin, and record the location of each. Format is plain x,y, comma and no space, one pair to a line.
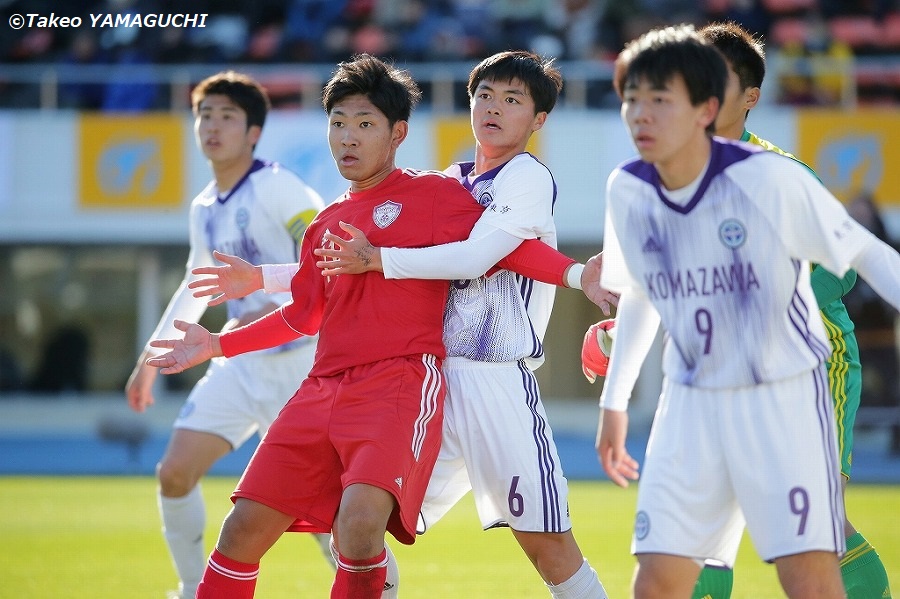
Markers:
596,348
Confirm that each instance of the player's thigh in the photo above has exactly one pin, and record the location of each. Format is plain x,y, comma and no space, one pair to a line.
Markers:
386,425
188,457
685,504
783,462
663,576
811,574
508,446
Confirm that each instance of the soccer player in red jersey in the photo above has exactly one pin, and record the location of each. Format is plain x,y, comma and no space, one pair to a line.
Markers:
353,449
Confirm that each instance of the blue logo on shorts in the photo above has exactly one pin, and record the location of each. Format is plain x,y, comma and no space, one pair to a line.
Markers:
641,525
187,409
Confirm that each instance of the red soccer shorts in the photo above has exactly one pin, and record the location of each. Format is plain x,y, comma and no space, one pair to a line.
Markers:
377,424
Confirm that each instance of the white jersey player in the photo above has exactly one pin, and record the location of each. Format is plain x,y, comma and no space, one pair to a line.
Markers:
713,239
259,211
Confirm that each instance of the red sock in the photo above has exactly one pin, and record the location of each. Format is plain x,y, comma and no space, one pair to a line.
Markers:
227,578
360,578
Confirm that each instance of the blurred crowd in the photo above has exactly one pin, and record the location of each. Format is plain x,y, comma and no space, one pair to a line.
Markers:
327,31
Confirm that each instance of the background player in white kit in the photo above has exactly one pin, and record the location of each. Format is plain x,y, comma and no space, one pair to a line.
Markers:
713,240
258,211
496,440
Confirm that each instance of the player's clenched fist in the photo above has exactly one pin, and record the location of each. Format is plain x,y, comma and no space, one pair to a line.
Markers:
595,349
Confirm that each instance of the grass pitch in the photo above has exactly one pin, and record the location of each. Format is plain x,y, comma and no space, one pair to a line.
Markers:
98,538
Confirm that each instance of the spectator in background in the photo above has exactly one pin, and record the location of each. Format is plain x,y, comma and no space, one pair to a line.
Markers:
815,70
307,24
517,22
875,325
84,49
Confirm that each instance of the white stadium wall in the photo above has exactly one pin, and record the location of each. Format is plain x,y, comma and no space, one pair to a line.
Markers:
70,178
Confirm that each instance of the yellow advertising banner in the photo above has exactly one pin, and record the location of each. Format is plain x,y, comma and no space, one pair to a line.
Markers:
131,162
851,151
453,136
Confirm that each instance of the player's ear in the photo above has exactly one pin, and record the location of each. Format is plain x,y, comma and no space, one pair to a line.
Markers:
709,110
539,120
399,132
751,98
254,132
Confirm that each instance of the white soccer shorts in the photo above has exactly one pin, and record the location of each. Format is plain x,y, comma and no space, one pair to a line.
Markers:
719,458
498,443
242,395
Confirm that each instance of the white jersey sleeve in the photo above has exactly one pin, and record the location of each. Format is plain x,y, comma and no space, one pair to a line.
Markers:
277,277
467,259
183,305
636,324
814,225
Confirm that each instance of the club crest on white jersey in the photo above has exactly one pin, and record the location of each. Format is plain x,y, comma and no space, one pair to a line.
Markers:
385,214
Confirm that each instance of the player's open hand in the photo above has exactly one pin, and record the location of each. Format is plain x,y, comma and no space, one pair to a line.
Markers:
236,279
197,346
351,256
590,284
619,466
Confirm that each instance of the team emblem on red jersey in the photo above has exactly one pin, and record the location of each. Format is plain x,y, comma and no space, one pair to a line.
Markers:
386,213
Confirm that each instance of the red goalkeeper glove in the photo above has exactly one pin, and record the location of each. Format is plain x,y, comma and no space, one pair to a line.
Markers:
596,348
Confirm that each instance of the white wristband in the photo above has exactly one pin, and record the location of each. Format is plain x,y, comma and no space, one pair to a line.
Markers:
573,276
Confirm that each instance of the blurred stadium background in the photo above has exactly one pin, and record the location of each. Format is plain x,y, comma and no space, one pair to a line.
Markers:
98,165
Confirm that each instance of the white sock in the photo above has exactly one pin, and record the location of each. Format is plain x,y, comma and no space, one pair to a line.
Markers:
184,520
584,584
392,581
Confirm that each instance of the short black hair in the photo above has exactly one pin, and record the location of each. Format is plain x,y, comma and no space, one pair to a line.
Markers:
540,77
744,52
393,91
241,89
662,53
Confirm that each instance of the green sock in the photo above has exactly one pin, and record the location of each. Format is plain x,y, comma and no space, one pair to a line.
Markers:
715,582
863,573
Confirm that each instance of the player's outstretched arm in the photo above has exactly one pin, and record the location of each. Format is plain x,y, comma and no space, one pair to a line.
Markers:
612,429
236,279
197,346
351,256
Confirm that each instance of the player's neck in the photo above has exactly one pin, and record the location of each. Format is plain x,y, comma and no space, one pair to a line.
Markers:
228,173
488,158
734,132
685,165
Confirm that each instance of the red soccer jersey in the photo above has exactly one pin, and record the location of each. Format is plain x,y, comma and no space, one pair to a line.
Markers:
366,318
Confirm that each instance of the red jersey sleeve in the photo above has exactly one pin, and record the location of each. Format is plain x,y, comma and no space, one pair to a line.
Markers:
269,331
537,260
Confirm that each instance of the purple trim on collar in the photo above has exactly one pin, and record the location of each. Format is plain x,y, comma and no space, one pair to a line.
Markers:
723,153
257,165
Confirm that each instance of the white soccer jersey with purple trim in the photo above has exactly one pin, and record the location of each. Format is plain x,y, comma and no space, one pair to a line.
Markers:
503,318
728,271
261,219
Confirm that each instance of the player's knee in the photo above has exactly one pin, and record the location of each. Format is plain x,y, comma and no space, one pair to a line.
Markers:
175,480
556,556
361,533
